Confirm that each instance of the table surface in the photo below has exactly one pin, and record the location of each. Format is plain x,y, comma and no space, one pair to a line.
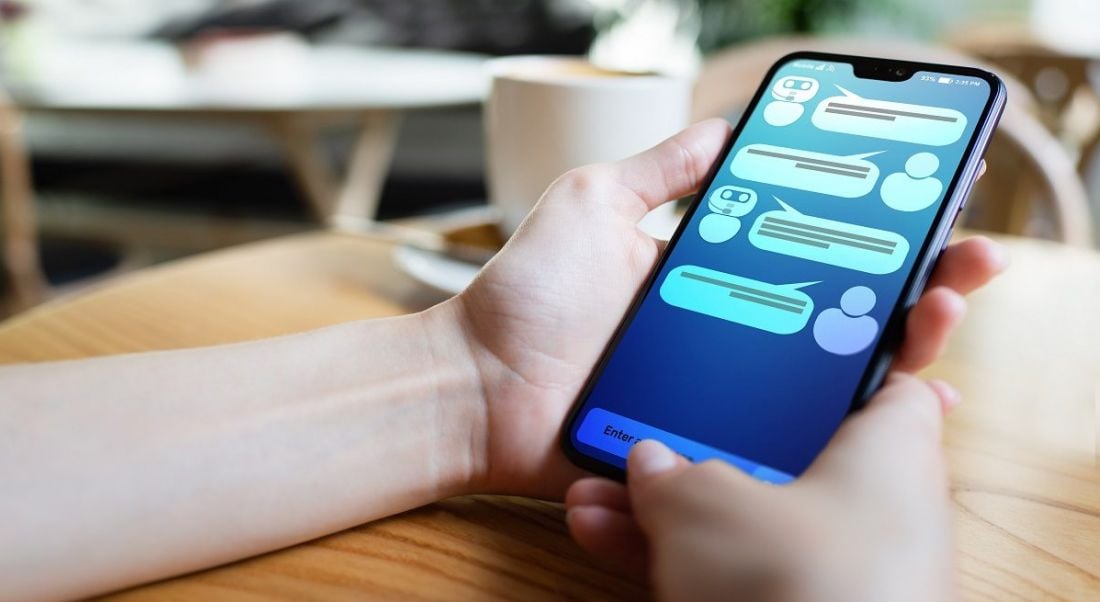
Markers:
281,73
1023,448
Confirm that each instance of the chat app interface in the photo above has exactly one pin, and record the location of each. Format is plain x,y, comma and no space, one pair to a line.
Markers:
753,340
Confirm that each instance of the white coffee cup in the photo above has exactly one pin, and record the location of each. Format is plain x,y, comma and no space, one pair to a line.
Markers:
547,115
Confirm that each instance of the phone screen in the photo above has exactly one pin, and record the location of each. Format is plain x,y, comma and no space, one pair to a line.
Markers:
761,324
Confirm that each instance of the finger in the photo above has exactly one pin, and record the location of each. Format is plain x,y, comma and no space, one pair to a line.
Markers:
598,492
649,464
609,534
928,328
949,396
673,168
902,423
969,264
667,493
908,402
981,168
651,458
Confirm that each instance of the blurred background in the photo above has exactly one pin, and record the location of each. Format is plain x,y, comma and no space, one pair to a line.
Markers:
135,132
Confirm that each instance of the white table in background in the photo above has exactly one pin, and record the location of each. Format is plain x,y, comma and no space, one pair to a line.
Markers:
287,87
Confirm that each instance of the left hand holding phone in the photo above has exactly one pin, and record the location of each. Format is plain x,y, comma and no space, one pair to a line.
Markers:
538,316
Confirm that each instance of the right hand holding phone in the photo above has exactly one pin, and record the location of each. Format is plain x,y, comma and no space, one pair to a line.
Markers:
868,521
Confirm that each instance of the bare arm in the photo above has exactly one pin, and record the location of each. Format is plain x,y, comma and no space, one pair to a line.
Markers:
124,469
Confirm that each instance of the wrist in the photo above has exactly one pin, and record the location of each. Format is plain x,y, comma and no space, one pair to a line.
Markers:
459,394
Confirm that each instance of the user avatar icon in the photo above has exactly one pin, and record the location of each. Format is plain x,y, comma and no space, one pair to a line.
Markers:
915,189
789,94
728,203
848,329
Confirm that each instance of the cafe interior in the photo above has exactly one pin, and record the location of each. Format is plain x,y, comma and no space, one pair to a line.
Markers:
185,173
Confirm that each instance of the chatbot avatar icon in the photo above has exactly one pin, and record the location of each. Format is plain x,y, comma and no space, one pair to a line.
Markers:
789,94
795,89
727,203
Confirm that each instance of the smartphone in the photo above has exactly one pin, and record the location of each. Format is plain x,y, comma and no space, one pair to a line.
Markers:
776,308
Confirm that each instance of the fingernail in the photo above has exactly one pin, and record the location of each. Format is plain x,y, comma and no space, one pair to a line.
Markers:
651,457
569,515
949,396
572,513
1003,260
954,398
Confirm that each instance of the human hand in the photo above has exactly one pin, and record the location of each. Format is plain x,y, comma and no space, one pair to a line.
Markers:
538,316
868,521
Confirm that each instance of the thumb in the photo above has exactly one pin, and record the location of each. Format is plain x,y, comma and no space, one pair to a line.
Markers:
651,472
651,459
675,167
668,493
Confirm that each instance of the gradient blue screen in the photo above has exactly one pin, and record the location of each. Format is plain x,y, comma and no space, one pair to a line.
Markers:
724,358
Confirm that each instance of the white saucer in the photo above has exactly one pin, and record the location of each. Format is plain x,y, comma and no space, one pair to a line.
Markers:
452,276
435,269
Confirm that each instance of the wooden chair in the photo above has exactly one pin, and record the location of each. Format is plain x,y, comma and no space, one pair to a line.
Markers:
1059,80
19,238
1024,158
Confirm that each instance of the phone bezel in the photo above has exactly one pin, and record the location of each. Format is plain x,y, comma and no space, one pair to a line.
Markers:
938,234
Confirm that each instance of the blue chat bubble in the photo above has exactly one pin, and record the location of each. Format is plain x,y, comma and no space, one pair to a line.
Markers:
919,124
789,232
837,175
777,308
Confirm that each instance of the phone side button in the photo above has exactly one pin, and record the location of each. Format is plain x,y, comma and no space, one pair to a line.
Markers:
950,231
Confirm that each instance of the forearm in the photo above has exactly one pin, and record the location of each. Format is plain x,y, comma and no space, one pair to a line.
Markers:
124,469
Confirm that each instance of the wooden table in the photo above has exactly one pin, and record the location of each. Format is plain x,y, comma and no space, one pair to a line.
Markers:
1023,448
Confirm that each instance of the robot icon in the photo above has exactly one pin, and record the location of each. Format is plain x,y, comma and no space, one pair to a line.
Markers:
789,93
727,203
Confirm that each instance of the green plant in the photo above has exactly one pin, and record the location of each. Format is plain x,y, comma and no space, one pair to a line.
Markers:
724,22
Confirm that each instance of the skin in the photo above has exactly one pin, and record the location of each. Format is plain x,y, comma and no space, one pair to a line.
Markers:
125,469
869,520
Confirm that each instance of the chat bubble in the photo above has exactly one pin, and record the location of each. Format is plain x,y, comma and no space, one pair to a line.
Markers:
777,308
919,124
788,232
836,175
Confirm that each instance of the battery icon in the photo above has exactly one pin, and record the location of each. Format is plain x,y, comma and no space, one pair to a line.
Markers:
944,80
